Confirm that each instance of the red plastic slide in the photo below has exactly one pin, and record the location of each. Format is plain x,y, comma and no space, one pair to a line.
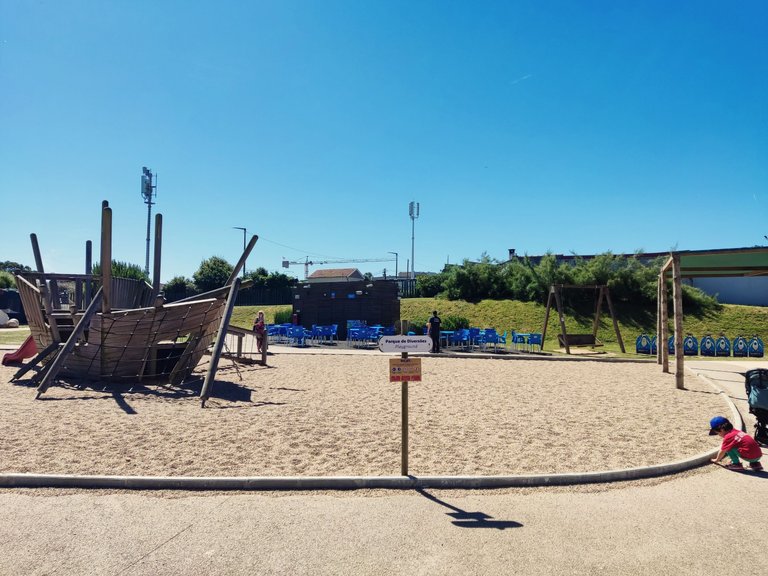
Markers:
26,350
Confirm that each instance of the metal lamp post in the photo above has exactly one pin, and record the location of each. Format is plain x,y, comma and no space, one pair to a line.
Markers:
244,232
395,253
413,212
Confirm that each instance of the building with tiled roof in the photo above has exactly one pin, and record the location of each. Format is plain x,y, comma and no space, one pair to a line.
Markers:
336,275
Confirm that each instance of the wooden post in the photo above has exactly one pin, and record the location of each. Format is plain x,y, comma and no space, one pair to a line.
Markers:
546,316
106,285
661,342
613,317
677,291
106,260
264,346
404,432
658,319
89,271
44,292
596,322
205,393
158,252
58,362
559,304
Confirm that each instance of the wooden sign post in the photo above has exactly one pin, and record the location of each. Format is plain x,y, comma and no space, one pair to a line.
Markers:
404,370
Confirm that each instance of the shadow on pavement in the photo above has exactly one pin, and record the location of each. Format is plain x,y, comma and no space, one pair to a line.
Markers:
464,519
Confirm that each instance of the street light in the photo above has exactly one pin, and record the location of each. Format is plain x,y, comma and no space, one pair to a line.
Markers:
148,191
395,253
413,212
243,229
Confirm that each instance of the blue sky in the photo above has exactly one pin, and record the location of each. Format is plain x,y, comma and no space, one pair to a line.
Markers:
563,126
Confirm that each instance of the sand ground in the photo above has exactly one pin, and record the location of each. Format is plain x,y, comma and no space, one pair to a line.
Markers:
332,415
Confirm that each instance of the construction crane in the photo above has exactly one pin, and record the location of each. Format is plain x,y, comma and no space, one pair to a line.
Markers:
307,262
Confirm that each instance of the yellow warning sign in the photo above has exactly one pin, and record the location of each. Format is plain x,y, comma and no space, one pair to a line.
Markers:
405,369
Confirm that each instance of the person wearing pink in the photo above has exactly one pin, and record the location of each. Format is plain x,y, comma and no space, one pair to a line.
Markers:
737,445
260,329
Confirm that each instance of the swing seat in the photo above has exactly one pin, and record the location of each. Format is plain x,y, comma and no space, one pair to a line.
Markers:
579,340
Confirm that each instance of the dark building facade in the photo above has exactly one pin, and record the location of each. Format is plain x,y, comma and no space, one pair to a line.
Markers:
325,303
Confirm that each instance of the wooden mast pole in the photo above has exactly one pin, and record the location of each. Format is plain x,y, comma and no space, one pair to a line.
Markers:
157,255
205,393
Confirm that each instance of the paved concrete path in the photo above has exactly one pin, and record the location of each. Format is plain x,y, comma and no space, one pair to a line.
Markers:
708,521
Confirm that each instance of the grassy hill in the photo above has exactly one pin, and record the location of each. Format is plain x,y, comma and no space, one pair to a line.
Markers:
528,317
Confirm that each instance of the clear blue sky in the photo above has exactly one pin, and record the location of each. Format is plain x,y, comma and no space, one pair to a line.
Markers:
565,126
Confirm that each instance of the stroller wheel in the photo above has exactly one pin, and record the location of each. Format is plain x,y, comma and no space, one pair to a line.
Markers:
761,434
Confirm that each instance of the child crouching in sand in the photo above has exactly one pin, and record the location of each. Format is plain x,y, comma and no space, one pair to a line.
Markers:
736,444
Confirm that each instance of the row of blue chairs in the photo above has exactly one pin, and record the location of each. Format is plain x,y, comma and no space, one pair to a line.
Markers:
467,338
367,335
741,347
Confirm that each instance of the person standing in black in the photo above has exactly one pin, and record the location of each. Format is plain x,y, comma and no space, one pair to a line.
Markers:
434,331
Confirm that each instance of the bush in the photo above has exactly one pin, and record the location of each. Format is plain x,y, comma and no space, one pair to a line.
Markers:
123,270
283,316
7,280
454,323
418,326
178,288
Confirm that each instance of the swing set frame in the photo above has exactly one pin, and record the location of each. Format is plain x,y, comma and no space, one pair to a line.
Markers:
568,340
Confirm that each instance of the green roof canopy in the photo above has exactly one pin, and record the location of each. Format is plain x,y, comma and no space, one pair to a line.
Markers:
721,263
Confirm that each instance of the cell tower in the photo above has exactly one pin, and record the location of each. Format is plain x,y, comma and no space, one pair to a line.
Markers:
413,212
148,191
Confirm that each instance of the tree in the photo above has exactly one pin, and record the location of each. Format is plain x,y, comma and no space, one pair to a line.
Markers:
9,266
122,270
177,288
213,273
430,285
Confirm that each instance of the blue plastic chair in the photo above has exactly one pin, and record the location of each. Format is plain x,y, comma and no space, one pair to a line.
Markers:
489,336
534,339
296,335
474,336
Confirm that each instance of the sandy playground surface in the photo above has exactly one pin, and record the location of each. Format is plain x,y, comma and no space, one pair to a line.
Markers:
329,415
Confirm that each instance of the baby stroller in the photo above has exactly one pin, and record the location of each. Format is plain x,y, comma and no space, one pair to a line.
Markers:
756,382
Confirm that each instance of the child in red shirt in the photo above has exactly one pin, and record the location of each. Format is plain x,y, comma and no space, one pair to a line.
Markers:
735,444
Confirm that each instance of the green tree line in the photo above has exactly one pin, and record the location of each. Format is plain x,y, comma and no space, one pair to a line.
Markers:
631,281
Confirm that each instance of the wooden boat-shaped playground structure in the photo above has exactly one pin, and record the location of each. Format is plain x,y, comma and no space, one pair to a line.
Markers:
96,327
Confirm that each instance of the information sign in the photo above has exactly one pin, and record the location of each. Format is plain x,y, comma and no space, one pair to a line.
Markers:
405,369
405,344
